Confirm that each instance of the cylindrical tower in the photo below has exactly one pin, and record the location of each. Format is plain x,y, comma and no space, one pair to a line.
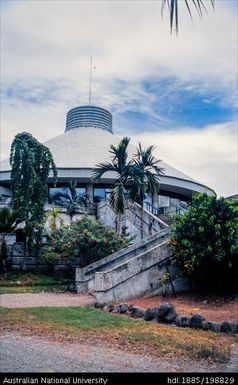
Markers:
89,116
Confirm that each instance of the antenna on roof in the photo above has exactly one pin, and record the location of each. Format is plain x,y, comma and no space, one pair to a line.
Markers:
90,80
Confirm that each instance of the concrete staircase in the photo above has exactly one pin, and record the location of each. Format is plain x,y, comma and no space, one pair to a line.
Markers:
135,277
131,219
135,270
86,278
168,219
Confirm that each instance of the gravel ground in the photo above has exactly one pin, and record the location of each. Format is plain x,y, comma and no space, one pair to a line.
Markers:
20,353
34,354
45,299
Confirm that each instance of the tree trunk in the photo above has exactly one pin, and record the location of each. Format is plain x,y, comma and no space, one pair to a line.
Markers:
142,221
142,211
119,224
3,265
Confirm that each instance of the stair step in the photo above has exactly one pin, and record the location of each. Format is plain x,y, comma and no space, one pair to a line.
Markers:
168,219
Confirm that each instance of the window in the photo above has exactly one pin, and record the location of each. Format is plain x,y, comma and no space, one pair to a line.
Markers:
101,193
56,197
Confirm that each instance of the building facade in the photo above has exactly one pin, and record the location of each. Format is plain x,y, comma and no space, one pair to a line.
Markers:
86,142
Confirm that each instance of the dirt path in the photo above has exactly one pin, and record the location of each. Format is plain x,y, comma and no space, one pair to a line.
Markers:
34,354
20,353
45,299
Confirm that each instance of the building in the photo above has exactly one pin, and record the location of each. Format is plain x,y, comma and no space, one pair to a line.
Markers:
86,142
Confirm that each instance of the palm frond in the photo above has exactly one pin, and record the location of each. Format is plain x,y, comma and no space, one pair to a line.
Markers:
145,174
121,147
100,169
120,154
172,5
83,200
118,199
119,163
54,213
72,189
59,196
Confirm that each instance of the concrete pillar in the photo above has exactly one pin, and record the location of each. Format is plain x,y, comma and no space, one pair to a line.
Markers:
89,191
155,200
80,284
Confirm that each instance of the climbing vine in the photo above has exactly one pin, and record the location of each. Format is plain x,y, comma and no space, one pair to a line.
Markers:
31,163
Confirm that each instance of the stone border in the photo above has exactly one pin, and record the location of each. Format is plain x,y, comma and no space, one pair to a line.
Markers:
166,313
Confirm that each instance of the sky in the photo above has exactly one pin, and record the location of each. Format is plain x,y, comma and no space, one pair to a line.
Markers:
178,93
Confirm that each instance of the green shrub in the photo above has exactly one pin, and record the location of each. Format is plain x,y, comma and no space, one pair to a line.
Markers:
205,241
50,257
84,242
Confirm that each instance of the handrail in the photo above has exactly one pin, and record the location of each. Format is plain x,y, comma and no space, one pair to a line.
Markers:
130,207
151,214
157,211
153,209
111,285
125,251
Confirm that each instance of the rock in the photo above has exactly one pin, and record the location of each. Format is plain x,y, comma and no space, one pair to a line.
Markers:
182,321
228,327
137,312
99,305
197,321
123,307
166,313
212,326
164,309
108,308
151,313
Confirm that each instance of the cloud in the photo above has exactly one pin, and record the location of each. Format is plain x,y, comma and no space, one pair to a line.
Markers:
155,84
127,39
209,155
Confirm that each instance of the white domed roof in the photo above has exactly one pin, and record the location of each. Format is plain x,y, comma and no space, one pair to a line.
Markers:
79,149
85,147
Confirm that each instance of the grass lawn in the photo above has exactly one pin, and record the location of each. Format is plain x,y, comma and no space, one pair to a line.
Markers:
75,324
19,282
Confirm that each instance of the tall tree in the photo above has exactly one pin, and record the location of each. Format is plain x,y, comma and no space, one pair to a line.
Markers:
144,178
173,7
122,167
31,163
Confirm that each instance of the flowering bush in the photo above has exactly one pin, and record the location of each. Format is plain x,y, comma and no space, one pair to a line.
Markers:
84,242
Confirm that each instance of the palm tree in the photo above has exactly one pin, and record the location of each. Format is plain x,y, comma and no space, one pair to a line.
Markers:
173,9
55,221
144,178
122,167
70,199
7,225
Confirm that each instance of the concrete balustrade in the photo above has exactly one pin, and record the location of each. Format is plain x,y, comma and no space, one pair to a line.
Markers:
85,277
135,277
